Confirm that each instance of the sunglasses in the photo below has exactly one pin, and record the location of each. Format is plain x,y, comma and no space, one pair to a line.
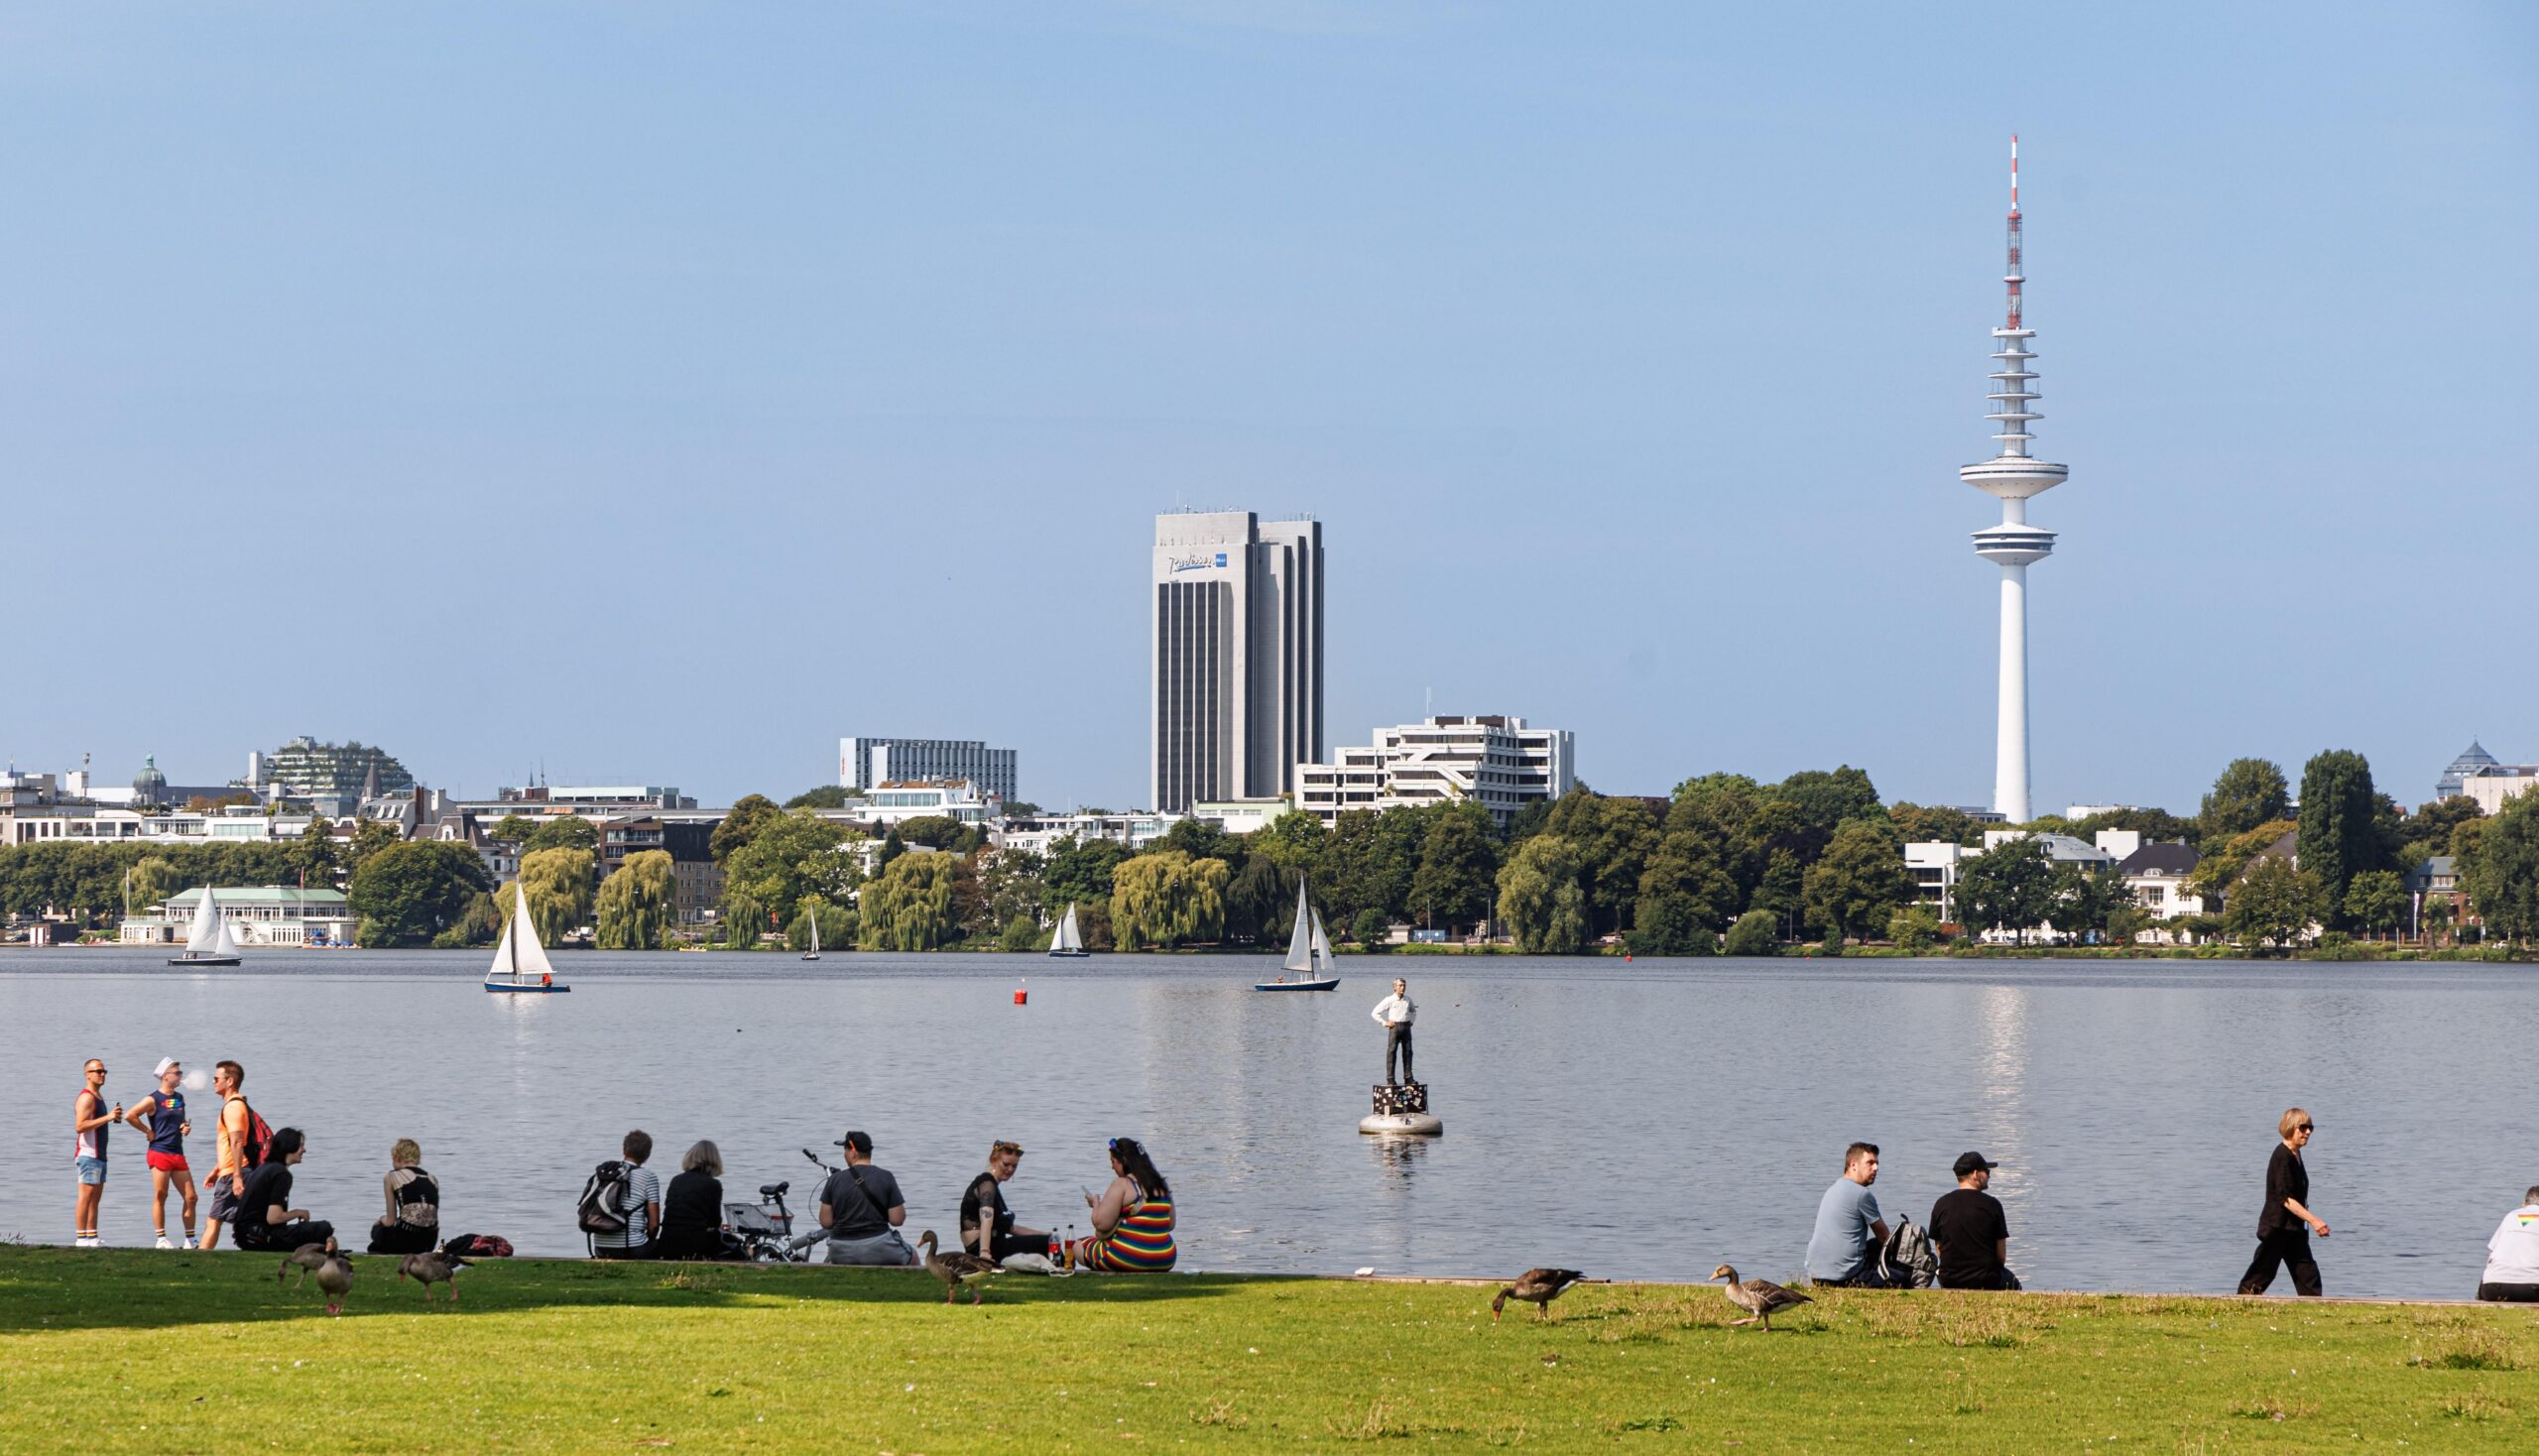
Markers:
96,1071
2303,1128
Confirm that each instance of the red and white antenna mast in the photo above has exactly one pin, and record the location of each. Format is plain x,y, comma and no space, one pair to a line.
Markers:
2015,275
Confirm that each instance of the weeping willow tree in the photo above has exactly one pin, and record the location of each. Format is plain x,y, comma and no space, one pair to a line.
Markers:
837,925
1167,898
558,881
639,904
1540,900
909,906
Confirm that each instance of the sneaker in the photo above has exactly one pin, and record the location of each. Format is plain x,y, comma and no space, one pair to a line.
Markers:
83,1242
164,1244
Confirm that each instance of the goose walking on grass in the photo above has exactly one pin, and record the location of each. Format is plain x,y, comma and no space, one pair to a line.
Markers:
1537,1287
1757,1297
302,1260
439,1267
335,1276
957,1270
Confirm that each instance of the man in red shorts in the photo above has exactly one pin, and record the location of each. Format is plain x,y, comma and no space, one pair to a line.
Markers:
162,1114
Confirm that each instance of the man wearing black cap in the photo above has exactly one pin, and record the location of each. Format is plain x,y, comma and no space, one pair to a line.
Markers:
1973,1232
862,1209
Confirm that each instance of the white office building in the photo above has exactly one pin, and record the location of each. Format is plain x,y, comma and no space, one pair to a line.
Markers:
1235,689
864,762
1039,833
893,803
1494,760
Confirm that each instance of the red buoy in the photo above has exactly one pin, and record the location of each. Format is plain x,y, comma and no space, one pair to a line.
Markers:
1020,996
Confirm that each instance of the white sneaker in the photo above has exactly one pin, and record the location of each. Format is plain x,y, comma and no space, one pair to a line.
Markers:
164,1244
83,1243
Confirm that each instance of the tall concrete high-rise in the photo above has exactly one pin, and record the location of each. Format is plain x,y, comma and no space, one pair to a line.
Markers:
1235,695
2012,477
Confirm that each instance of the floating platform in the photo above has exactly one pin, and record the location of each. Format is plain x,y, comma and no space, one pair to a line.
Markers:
1402,1110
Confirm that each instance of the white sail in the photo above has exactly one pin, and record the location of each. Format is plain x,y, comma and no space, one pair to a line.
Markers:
1069,937
1300,942
520,958
207,929
221,945
815,930
1321,947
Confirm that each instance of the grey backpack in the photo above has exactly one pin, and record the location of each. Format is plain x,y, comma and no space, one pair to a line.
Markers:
1908,1261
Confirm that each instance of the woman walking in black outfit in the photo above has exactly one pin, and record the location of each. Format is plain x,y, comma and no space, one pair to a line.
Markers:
2284,1229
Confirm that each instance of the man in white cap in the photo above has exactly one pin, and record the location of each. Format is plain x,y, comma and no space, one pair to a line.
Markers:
162,1116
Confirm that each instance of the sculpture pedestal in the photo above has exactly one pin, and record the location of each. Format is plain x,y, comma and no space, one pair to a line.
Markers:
1401,1110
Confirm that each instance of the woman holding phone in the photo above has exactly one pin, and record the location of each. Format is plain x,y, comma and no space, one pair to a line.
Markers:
1132,1218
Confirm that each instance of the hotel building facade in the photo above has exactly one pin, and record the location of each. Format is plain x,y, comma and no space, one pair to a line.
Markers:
1235,689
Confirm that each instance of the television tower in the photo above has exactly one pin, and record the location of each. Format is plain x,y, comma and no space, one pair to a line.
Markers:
2012,477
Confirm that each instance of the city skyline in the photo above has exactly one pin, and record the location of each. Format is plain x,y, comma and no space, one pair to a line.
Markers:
779,309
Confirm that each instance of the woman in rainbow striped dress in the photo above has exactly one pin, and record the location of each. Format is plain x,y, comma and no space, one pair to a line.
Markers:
1132,1220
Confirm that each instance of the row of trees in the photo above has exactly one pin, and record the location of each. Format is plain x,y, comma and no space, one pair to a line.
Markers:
1723,863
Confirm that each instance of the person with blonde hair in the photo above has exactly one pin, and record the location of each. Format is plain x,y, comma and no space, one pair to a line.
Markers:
2285,1223
412,1224
692,1210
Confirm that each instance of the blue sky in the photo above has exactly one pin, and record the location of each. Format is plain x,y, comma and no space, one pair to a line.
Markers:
656,392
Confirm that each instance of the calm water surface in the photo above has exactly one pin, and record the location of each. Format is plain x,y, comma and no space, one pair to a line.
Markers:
1637,1121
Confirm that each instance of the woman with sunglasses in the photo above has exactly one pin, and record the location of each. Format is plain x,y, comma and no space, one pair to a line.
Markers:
1132,1220
2285,1227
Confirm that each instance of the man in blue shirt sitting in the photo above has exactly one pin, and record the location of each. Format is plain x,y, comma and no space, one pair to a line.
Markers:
1848,1228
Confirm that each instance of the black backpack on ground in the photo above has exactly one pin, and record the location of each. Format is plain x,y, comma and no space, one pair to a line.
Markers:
602,1207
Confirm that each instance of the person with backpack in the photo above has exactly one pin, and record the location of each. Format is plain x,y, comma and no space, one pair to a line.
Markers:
239,1140
862,1209
620,1205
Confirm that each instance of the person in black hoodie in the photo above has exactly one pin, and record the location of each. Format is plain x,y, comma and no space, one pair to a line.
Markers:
692,1209
2287,1224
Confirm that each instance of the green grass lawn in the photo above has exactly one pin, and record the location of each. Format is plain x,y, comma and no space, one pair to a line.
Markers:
132,1350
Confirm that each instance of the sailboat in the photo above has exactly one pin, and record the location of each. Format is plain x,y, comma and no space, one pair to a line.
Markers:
814,952
1070,941
520,961
207,943
1309,964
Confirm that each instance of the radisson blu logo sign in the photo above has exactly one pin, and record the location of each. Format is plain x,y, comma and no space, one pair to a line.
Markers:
1197,564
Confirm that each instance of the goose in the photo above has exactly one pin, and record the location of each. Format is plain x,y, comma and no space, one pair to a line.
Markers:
302,1261
1757,1297
438,1267
956,1269
1540,1286
335,1276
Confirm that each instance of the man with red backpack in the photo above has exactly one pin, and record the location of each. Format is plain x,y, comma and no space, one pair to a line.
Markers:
239,1141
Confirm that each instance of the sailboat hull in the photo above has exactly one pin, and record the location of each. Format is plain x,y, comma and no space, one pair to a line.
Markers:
1069,954
527,990
203,960
1330,984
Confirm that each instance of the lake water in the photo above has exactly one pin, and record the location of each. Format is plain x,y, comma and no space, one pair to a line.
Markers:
1636,1121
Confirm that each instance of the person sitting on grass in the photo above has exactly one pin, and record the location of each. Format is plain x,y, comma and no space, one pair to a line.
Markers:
266,1218
987,1225
1132,1220
2512,1256
412,1224
862,1209
692,1209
